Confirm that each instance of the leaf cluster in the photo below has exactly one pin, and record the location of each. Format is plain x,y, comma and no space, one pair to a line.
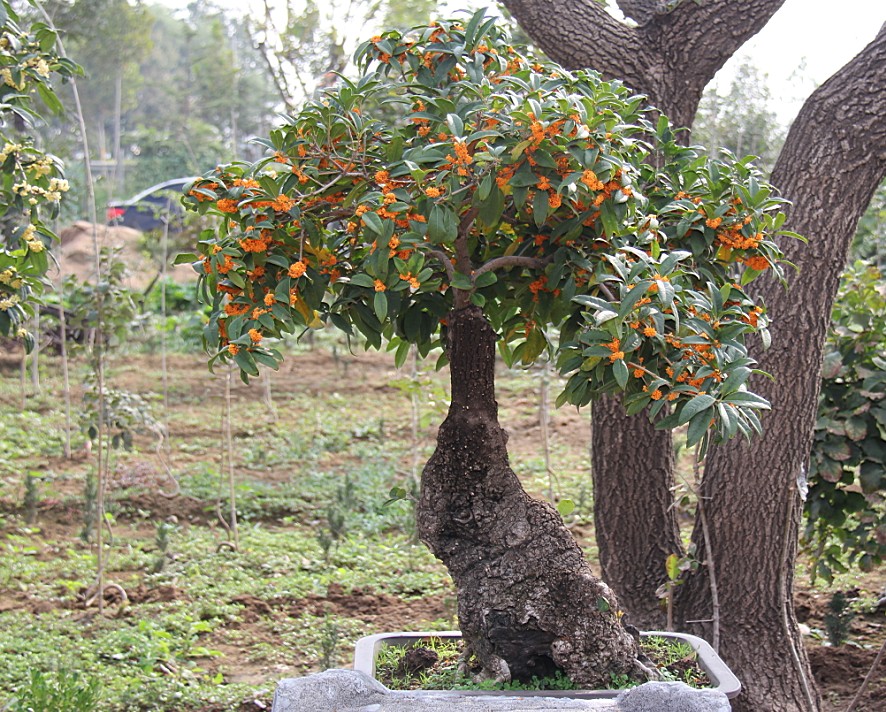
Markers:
845,507
31,181
548,198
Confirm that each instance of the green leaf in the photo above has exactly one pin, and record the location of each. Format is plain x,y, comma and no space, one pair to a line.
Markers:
620,371
565,507
698,426
696,405
442,224
485,280
373,222
246,362
461,281
672,567
871,477
856,429
361,279
380,305
185,258
603,605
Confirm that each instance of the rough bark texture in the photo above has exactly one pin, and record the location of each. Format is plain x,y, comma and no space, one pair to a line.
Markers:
636,525
832,162
829,170
528,602
670,57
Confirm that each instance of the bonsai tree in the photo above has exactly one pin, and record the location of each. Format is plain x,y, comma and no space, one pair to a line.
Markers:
460,195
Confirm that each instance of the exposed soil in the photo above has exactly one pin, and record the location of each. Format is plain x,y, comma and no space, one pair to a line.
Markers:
365,377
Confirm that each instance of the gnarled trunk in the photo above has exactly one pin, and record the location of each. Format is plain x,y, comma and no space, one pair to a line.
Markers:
528,603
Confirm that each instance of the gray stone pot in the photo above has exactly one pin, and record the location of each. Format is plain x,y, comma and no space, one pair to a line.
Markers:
722,678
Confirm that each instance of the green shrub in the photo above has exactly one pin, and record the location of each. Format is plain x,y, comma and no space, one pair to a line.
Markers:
845,523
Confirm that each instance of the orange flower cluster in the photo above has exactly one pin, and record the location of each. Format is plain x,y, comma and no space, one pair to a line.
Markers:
412,279
538,286
259,244
732,237
615,347
757,262
462,158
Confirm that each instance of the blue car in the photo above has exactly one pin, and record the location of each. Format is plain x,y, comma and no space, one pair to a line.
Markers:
151,208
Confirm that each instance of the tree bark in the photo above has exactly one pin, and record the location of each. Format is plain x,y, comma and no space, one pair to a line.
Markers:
528,603
635,522
830,166
670,58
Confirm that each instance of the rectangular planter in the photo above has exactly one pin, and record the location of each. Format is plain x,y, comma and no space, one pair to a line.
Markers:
722,678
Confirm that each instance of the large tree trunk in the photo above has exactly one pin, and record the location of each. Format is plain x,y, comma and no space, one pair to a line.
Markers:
635,522
831,164
528,603
655,58
670,57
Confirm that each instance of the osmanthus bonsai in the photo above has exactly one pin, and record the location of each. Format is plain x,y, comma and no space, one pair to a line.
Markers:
461,195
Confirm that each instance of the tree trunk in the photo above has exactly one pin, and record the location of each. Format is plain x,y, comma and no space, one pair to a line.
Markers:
635,522
832,162
670,58
528,603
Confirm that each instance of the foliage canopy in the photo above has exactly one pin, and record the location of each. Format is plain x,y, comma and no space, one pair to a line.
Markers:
31,181
457,170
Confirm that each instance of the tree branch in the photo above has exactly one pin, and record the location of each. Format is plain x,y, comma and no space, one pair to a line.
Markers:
443,259
512,261
670,57
580,34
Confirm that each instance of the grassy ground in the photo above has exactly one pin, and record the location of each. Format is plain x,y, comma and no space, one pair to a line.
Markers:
322,558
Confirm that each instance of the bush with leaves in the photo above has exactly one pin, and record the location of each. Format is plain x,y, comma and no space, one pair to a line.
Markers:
31,181
491,197
845,506
511,185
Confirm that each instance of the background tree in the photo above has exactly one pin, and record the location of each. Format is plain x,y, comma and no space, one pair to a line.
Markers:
305,44
512,197
31,181
741,121
669,56
109,39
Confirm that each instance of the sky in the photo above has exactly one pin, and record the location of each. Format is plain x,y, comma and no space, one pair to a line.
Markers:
804,43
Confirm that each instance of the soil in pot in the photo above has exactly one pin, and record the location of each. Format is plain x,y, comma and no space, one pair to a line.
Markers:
433,664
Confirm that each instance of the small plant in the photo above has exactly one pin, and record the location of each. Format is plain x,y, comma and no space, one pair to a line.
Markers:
436,664
846,504
90,508
329,640
838,619
676,567
63,691
32,498
164,529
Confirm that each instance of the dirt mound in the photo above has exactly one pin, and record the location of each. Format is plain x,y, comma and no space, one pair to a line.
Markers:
77,256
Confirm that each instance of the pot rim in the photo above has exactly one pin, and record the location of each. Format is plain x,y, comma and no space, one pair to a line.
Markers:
722,678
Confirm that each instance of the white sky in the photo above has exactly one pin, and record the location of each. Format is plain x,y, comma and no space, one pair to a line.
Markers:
823,34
